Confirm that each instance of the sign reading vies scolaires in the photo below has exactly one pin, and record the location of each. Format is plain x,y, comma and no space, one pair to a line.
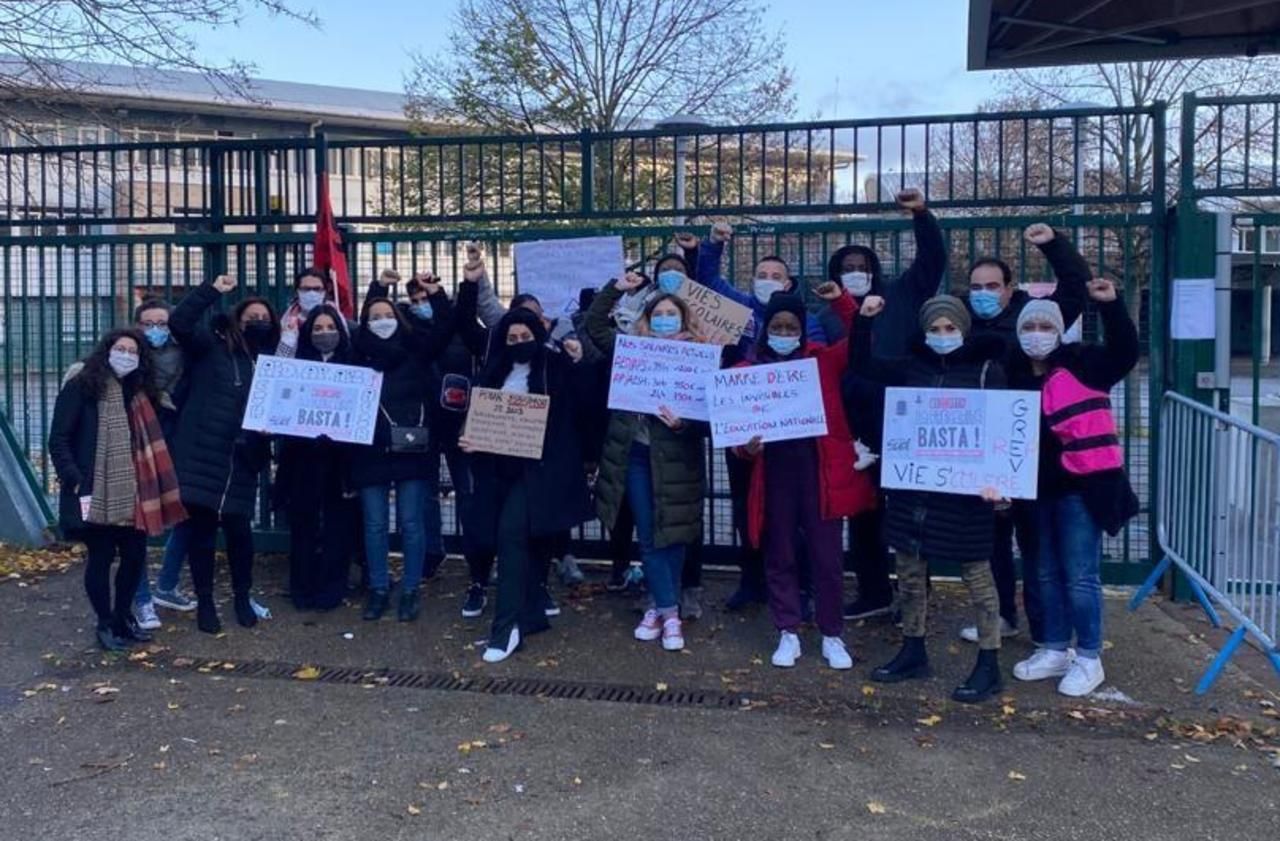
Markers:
307,399
777,402
651,373
957,440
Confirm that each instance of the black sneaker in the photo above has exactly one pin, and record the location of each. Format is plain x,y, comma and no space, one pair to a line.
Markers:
207,616
410,605
866,608
376,606
549,606
109,641
476,600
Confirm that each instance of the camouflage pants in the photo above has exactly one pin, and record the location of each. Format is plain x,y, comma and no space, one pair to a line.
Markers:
913,597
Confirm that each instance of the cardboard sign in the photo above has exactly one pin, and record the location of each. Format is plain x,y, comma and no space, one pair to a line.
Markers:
959,441
720,320
555,270
507,423
778,402
651,373
307,399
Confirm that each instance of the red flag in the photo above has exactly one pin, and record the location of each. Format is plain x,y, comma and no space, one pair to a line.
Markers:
329,256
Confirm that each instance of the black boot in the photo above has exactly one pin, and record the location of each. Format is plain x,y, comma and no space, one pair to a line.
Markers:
207,615
126,628
410,602
984,681
375,606
109,641
245,614
912,661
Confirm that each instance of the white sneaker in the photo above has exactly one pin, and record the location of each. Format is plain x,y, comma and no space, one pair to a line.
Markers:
1042,664
497,655
837,655
672,634
650,627
788,650
145,615
969,633
1084,676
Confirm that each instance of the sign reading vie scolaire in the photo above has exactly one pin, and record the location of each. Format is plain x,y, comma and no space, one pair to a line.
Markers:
776,402
957,440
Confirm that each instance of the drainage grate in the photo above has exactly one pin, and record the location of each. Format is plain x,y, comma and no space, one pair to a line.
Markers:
443,682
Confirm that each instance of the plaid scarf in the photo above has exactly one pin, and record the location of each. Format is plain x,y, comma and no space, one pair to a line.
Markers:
159,502
115,488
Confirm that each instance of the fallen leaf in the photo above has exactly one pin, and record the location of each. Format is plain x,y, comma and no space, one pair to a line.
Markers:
500,728
868,691
442,786
171,705
1151,737
1107,645
930,721
1008,709
414,810
1076,714
875,808
106,690
826,746
306,673
1190,758
660,686
1017,775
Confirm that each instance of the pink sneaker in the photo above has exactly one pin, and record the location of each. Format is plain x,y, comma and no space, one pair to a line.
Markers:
649,628
672,634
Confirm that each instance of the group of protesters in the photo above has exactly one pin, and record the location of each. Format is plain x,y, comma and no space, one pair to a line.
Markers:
147,439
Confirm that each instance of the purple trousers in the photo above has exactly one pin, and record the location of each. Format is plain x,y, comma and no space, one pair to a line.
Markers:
792,512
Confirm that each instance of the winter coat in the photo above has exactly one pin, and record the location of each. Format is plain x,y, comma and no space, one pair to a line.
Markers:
676,457
939,527
218,463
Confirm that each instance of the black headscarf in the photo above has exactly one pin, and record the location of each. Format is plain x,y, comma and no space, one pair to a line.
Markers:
499,363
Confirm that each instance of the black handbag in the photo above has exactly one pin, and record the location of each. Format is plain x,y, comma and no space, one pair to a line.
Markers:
408,439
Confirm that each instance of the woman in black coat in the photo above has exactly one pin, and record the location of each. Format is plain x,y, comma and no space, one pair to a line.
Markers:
926,526
387,343
520,504
311,483
218,462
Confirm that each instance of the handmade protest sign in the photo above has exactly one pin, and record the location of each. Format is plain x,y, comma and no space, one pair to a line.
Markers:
959,441
308,399
720,320
555,270
507,423
651,373
777,402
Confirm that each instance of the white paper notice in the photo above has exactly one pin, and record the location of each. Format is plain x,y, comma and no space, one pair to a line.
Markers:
651,373
555,270
1193,312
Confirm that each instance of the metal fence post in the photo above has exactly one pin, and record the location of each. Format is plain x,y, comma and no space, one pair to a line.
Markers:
587,149
215,253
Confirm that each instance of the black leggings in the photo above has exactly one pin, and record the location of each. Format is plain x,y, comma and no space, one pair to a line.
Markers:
238,534
103,543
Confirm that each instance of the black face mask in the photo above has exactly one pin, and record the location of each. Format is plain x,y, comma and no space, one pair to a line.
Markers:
523,353
257,334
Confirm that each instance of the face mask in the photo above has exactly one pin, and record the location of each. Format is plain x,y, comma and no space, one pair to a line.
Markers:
256,333
1038,344
522,353
784,345
422,310
309,299
986,304
942,345
764,288
325,342
669,281
665,325
857,283
122,363
156,336
383,328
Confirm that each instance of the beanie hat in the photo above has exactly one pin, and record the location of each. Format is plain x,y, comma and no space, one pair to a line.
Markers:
1042,309
785,302
949,306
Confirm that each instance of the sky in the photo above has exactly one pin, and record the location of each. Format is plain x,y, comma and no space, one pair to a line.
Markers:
850,58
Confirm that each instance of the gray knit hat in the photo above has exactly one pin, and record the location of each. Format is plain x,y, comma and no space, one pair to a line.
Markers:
1042,309
950,306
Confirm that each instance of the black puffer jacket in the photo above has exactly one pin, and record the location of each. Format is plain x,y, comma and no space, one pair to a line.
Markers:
217,462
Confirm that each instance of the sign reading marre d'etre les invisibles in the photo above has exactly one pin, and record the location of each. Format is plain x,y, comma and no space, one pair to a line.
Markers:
960,441
777,402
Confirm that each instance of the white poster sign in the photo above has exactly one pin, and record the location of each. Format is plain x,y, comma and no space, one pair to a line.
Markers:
777,402
651,373
1193,314
959,441
555,270
308,399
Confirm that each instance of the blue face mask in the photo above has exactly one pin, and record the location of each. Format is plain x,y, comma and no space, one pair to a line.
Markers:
784,345
942,345
664,325
986,304
669,281
422,310
157,336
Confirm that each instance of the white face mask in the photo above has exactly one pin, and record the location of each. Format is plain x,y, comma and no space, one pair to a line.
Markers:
765,288
383,328
857,283
122,362
1038,344
309,299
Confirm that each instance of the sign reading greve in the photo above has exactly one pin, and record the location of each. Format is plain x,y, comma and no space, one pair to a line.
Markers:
777,402
651,373
959,441
506,423
555,270
307,399
720,320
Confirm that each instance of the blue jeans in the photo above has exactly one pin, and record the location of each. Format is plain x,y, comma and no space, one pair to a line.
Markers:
175,553
1070,575
662,567
376,502
460,473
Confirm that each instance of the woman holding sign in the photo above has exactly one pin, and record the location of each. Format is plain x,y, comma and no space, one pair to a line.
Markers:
926,527
653,462
806,486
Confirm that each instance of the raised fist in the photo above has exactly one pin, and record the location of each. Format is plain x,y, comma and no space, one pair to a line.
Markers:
573,348
389,277
1102,290
829,291
872,305
686,240
630,283
473,269
1038,234
911,200
224,283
